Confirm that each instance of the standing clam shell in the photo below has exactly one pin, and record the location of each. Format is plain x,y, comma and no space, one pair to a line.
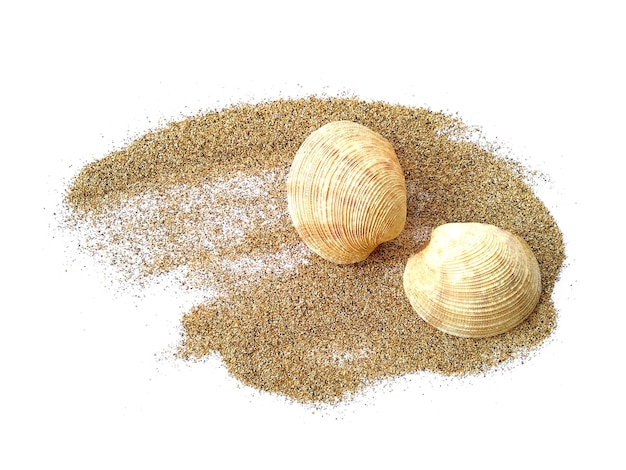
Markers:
346,192
473,280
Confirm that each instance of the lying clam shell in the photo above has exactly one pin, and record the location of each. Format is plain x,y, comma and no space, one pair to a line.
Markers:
346,192
473,280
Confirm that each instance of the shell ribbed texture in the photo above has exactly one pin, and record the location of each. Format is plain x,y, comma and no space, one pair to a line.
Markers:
473,280
346,192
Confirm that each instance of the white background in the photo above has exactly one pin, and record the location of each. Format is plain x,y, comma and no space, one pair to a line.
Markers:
82,384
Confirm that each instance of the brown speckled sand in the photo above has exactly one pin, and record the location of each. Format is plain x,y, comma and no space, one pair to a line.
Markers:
205,199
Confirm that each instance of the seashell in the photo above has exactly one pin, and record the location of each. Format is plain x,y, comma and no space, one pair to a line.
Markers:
473,280
346,192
